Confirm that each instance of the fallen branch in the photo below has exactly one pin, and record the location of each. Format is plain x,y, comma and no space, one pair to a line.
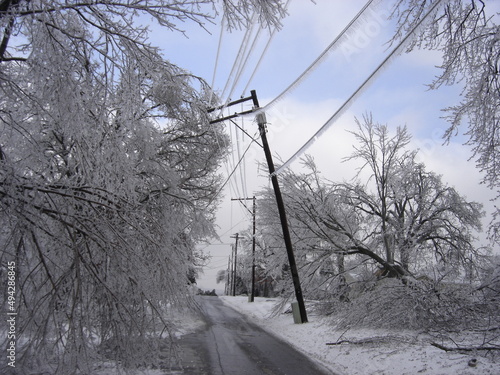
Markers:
465,349
360,342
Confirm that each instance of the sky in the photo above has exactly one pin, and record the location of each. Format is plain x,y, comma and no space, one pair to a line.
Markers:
398,96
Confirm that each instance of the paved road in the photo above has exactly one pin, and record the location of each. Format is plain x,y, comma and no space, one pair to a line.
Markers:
230,344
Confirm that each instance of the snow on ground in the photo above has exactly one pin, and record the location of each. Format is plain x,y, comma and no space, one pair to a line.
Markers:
382,352
183,322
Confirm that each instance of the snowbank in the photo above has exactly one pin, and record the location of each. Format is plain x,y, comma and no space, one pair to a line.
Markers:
363,351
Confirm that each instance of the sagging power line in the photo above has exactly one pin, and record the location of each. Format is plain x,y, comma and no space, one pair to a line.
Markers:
395,51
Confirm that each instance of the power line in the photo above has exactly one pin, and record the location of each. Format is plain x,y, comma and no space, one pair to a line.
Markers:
271,36
259,61
356,93
223,234
246,133
217,59
239,55
244,62
234,165
242,170
230,175
225,162
331,47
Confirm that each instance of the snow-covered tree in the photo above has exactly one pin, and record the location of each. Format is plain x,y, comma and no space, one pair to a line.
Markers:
468,35
415,214
221,276
402,218
108,175
264,283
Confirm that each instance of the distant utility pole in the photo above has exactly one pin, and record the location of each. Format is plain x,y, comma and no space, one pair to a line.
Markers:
230,273
252,294
235,260
261,121
228,277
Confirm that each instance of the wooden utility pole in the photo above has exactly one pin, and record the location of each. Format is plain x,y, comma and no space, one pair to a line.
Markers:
235,260
261,121
252,294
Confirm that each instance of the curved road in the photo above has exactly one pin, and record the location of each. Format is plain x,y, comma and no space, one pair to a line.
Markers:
230,345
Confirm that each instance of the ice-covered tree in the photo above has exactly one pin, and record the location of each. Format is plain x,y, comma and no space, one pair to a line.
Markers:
394,215
415,214
108,174
468,35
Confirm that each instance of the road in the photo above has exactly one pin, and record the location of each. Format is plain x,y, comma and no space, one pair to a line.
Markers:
229,344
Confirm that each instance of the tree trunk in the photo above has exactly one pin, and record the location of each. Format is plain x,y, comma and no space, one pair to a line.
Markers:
340,263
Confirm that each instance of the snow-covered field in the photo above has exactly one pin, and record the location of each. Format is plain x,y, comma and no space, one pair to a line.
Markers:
381,352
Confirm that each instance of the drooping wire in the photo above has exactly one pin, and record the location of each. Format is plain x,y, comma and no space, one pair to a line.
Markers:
234,165
239,56
237,70
244,170
400,46
212,93
259,61
219,45
244,61
240,63
229,176
271,37
226,163
230,230
236,63
246,133
331,47
238,150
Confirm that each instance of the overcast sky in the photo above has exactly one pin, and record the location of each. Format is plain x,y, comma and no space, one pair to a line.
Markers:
398,96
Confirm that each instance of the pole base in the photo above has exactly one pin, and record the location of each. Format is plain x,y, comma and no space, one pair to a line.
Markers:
297,319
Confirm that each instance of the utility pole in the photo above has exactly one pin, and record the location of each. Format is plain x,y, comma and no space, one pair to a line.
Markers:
235,260
261,121
231,271
252,294
228,277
